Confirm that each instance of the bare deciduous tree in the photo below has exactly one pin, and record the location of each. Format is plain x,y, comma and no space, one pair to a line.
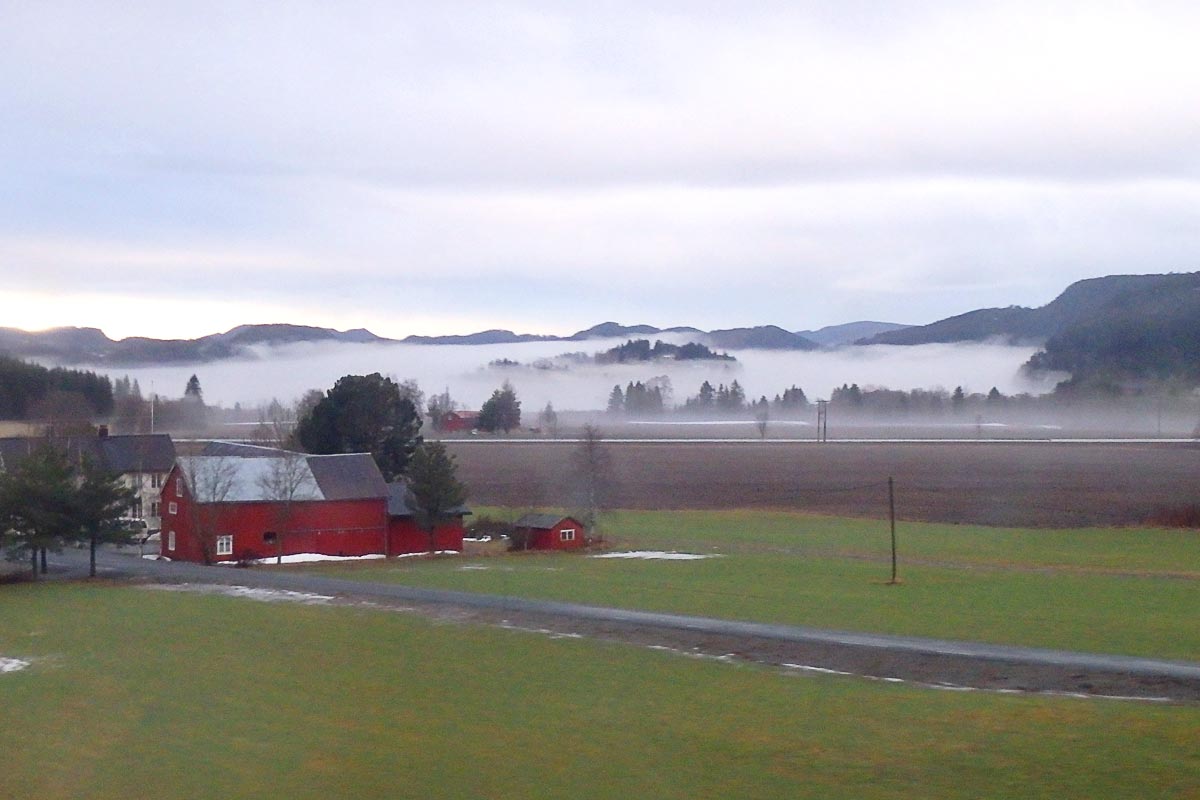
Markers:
286,481
210,483
592,476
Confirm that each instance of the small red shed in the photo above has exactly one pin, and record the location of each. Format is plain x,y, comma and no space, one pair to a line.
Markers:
550,532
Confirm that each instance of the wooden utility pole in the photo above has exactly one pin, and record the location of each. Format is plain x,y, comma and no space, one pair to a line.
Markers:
892,521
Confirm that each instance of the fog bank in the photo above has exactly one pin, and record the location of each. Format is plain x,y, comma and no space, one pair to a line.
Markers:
287,372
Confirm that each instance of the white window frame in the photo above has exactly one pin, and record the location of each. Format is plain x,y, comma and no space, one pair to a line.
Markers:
225,544
172,508
179,488
171,541
566,535
156,480
155,509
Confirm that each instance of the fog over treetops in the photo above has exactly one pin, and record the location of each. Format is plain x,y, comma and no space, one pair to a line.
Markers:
287,372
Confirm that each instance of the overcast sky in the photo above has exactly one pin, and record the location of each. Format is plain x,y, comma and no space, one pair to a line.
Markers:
448,167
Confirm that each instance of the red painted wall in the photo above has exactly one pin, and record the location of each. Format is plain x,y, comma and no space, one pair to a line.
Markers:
551,538
406,537
328,527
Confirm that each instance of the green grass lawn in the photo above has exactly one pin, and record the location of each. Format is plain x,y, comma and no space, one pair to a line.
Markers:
1128,591
136,693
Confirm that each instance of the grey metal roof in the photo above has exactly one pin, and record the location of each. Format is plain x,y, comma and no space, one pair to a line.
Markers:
151,452
541,521
226,479
256,478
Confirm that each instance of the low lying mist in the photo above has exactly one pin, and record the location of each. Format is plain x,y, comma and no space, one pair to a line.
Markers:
539,377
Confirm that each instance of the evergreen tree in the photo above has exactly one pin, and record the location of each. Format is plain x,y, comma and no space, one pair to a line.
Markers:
502,411
548,419
364,414
616,401
434,491
192,391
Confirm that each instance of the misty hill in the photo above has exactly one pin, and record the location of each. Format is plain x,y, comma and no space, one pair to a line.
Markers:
615,330
1148,330
494,336
1108,333
90,345
55,343
849,333
762,337
641,350
1081,302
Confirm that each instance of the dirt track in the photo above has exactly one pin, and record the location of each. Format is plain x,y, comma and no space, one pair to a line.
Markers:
1014,483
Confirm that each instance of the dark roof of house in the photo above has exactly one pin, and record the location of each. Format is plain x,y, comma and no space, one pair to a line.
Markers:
398,502
143,452
541,521
149,452
349,476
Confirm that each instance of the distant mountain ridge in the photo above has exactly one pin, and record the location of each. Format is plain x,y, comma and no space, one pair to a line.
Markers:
849,333
92,346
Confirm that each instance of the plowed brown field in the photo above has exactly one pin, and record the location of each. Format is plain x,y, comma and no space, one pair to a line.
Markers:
1038,484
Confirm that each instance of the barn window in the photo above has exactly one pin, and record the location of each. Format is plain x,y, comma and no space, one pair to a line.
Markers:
566,535
269,537
225,545
172,508
170,540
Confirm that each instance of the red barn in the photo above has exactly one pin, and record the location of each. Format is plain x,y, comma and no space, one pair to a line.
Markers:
454,421
243,503
550,532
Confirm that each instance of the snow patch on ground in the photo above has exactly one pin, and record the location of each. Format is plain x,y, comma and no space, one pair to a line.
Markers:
305,558
657,555
247,592
12,664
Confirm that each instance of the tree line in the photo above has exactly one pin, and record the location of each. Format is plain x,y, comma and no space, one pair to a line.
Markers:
31,391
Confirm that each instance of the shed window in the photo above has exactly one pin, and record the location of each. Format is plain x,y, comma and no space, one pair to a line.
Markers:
179,488
225,545
170,540
566,535
172,508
